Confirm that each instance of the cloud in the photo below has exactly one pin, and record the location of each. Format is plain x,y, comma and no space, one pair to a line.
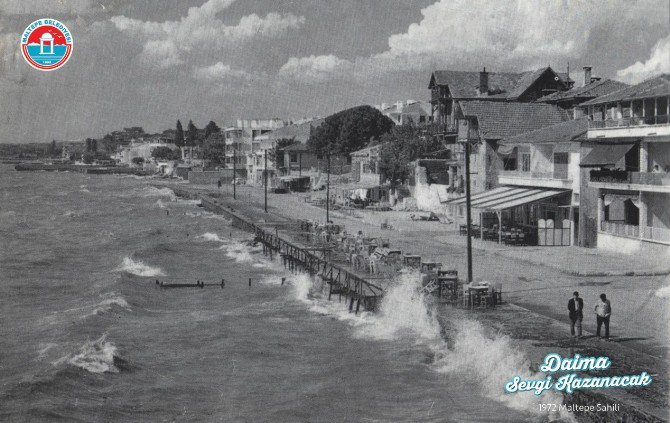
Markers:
505,34
658,62
40,7
313,69
219,72
201,30
161,54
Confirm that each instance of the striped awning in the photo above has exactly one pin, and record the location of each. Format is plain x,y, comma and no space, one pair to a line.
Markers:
507,197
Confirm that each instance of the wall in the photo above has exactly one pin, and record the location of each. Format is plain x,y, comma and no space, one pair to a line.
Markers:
588,206
541,159
428,196
574,175
658,209
213,176
659,153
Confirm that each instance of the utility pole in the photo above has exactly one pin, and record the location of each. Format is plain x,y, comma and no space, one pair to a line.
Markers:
468,216
328,191
234,173
265,180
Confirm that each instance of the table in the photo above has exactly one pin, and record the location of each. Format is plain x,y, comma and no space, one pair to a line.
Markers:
475,292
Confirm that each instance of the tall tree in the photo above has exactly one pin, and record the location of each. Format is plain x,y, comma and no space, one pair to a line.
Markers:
211,128
179,135
53,148
214,149
191,134
400,147
349,130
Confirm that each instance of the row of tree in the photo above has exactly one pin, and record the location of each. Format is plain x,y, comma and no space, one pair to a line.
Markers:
194,137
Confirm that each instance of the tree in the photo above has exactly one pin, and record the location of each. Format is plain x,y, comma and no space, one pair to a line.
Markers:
214,149
211,128
349,130
88,157
394,162
400,147
179,135
165,153
191,134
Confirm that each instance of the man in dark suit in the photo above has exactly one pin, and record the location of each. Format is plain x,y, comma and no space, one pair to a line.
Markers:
575,307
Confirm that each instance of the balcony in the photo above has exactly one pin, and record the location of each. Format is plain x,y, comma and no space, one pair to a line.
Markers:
648,233
556,179
633,181
649,126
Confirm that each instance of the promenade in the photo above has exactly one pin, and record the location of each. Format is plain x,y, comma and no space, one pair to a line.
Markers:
537,282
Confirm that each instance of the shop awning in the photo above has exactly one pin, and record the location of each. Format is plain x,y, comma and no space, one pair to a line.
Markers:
493,192
530,197
507,197
606,154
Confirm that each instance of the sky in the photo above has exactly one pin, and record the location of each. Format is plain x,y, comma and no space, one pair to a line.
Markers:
150,62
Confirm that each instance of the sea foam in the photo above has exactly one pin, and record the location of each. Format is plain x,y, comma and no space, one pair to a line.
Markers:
406,312
96,356
138,268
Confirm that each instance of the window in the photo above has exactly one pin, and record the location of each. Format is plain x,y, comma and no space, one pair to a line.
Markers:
525,162
293,157
422,119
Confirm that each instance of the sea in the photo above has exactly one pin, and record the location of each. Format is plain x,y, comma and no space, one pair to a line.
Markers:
86,334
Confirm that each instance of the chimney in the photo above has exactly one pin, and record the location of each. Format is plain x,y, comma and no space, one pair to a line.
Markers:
400,105
587,75
483,82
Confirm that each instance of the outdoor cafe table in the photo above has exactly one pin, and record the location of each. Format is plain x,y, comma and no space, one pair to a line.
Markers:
474,292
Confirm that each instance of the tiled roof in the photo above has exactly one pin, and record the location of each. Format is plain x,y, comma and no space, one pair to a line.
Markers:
503,85
592,90
657,86
296,147
571,130
298,131
498,120
464,84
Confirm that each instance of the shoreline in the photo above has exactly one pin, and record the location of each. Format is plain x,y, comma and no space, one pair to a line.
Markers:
544,333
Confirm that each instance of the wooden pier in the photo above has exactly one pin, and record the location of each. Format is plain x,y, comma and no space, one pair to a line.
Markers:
342,282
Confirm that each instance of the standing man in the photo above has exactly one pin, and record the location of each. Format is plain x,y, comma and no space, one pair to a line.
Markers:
575,307
603,311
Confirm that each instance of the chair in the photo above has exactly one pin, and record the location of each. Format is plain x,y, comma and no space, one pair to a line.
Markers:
497,293
484,299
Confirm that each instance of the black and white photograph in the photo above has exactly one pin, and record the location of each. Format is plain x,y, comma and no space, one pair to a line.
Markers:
335,211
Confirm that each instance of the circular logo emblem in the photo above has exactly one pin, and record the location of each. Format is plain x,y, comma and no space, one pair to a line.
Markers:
46,44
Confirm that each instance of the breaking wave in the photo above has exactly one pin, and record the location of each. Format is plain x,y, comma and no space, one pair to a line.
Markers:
138,268
110,300
97,356
209,236
158,192
470,351
240,252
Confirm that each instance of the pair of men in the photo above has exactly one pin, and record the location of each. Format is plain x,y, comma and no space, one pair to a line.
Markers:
603,310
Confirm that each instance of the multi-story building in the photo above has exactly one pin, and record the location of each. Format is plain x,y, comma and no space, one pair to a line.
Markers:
590,88
449,88
241,138
626,166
